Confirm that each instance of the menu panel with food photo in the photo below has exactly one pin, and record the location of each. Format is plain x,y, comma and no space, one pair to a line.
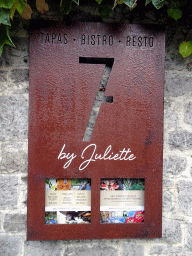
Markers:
122,200
67,201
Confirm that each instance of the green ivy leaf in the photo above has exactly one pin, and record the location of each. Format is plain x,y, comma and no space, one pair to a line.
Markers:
76,1
6,3
42,6
104,11
158,3
147,2
66,5
19,6
129,3
99,1
185,48
4,37
26,13
116,2
4,16
174,13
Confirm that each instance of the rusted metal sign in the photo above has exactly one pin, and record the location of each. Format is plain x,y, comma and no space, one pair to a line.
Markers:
95,131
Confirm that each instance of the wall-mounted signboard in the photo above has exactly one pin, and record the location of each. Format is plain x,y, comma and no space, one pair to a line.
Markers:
95,131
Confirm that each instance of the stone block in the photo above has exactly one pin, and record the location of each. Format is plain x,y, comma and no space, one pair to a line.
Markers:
168,183
10,245
188,238
167,202
188,114
173,59
177,84
19,75
132,250
5,59
17,56
185,197
167,104
165,249
95,250
3,76
172,232
23,190
8,188
42,248
13,117
15,222
172,119
181,140
1,222
174,165
185,253
14,158
14,88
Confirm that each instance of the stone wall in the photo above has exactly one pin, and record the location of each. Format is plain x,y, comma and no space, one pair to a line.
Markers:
177,185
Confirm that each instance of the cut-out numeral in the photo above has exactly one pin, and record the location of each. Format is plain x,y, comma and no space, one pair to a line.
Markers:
100,98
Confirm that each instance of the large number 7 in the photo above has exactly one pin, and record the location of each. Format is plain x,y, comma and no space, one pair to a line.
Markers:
100,98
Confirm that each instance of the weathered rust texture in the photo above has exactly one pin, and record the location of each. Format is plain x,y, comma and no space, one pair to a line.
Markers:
62,93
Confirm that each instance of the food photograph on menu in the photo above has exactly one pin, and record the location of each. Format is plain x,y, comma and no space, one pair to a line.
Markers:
122,200
67,201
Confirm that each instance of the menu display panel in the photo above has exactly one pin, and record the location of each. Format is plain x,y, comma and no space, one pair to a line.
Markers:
67,201
122,200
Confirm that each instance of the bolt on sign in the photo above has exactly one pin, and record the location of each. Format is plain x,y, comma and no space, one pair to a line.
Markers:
95,131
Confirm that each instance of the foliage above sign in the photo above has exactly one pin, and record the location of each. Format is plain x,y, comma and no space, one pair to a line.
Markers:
8,8
185,48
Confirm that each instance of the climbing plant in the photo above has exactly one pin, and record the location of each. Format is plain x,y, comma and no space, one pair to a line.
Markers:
175,10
